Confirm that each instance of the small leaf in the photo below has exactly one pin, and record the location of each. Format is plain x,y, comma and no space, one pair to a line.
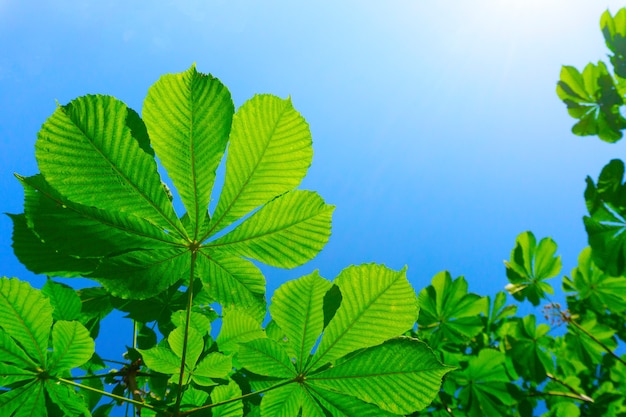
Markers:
449,310
602,291
266,357
237,327
161,359
195,345
530,265
224,393
213,365
592,97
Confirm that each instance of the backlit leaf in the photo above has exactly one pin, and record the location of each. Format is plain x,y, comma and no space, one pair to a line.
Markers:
188,117
530,265
371,294
71,346
26,315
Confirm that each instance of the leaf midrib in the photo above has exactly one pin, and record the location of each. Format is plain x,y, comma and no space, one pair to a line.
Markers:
342,334
247,181
128,181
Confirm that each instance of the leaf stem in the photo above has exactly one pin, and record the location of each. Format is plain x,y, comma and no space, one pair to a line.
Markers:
179,395
242,397
568,319
574,394
108,394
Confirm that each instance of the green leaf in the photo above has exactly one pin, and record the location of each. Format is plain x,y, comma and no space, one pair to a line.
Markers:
13,354
602,291
68,400
584,347
24,401
198,321
529,346
486,387
286,232
605,224
213,365
286,401
233,281
530,265
42,258
188,117
237,327
449,310
64,300
592,97
371,294
71,346
614,31
382,374
266,357
268,155
26,315
224,393
161,359
195,345
95,232
339,405
10,374
96,146
297,308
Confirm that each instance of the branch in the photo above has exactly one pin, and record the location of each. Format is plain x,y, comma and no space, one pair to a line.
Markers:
108,394
592,337
575,394
179,395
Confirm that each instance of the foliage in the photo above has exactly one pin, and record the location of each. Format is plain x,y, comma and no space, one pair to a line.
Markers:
363,344
329,347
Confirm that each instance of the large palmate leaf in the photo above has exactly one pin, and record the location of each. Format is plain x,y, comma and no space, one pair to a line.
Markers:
99,208
605,225
372,372
30,358
593,98
448,313
530,265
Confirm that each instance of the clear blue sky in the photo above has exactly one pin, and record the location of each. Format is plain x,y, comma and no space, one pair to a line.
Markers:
437,131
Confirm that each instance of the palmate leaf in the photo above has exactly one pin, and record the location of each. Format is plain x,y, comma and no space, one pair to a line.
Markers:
592,97
614,31
448,313
26,316
486,386
529,346
100,185
25,330
605,225
530,265
373,372
591,285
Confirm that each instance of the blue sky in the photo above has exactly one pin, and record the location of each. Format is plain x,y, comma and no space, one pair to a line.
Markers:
437,131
